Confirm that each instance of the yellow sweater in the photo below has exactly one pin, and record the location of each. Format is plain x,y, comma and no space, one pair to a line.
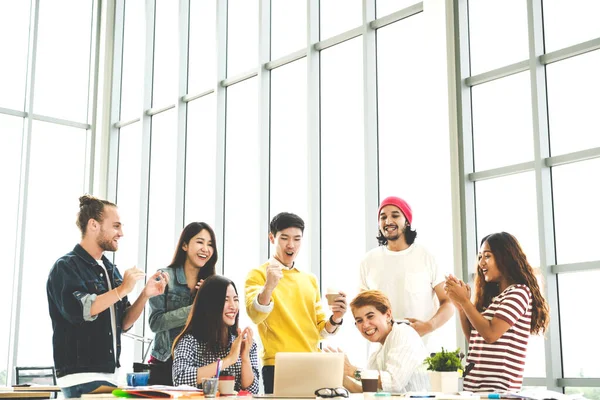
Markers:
297,318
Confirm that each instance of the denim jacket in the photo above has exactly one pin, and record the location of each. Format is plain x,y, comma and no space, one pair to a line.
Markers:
81,342
169,312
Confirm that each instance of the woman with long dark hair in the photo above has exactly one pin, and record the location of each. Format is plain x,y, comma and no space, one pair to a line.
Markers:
194,261
211,335
508,307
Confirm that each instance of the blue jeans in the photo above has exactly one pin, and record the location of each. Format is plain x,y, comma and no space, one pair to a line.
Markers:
78,390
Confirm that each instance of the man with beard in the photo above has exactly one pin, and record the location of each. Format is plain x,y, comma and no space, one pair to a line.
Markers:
87,298
405,271
285,301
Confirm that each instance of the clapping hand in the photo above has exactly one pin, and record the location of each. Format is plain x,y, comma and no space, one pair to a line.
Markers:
247,342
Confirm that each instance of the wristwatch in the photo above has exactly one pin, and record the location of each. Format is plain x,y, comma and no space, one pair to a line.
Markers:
357,374
332,322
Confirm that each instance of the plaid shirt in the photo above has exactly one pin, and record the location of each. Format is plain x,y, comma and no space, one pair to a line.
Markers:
191,354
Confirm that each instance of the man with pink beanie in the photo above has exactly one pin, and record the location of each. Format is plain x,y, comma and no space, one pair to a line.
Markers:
405,271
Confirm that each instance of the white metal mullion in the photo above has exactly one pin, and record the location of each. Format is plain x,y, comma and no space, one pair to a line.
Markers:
115,99
371,129
543,181
221,107
264,123
15,318
313,107
181,110
94,68
464,127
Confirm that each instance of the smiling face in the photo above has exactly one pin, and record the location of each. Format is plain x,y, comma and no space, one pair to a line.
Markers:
199,249
287,245
392,222
373,324
231,307
110,230
487,264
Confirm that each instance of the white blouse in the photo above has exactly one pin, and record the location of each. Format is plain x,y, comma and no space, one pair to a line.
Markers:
400,361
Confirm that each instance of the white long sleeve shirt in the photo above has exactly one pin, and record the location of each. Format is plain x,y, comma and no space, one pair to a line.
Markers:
400,361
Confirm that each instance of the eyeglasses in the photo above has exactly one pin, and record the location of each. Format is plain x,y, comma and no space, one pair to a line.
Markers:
331,392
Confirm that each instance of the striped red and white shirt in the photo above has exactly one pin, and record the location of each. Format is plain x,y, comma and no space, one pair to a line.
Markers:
499,365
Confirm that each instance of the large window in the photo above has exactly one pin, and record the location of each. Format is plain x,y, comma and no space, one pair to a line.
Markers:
47,89
530,150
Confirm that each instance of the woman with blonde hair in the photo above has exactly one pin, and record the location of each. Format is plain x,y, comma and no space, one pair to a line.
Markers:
400,353
508,307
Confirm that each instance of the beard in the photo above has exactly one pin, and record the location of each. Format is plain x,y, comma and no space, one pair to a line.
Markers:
396,236
105,243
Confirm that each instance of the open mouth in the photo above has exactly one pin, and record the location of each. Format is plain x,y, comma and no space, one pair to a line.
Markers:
231,315
391,228
370,332
289,253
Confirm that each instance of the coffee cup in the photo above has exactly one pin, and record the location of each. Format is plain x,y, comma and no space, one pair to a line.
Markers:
331,295
137,378
369,380
226,384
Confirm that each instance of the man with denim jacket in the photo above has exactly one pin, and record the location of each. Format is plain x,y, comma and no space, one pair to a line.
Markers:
87,299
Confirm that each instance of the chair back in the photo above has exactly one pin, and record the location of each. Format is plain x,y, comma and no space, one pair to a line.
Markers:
37,375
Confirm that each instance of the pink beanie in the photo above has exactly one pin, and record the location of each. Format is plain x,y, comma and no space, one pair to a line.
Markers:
398,202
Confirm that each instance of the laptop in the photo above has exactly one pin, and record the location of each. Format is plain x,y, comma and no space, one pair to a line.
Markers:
298,375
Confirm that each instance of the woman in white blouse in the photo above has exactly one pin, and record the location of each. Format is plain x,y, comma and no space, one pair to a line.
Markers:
400,354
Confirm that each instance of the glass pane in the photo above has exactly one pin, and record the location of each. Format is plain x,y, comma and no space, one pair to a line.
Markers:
535,366
242,187
289,147
62,72
342,174
498,209
10,162
288,27
590,393
334,22
569,23
128,194
403,106
576,290
14,24
386,7
201,163
44,201
166,54
163,229
492,45
132,82
573,97
576,210
502,127
202,46
242,36
128,200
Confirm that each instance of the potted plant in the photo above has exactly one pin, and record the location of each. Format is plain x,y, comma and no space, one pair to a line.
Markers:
445,370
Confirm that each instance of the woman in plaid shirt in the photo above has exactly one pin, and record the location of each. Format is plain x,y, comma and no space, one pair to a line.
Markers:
211,333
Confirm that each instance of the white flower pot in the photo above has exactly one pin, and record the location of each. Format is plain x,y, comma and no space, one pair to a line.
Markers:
444,382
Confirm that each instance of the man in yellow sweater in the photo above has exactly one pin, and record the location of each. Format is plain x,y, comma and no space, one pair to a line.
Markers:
285,302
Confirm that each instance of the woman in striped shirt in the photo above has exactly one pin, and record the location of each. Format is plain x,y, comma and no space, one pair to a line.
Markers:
508,307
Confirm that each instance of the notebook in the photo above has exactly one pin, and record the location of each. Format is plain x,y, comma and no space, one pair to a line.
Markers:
298,375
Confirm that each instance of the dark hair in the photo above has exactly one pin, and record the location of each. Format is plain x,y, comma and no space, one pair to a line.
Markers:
187,234
513,265
90,207
285,220
409,234
205,320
